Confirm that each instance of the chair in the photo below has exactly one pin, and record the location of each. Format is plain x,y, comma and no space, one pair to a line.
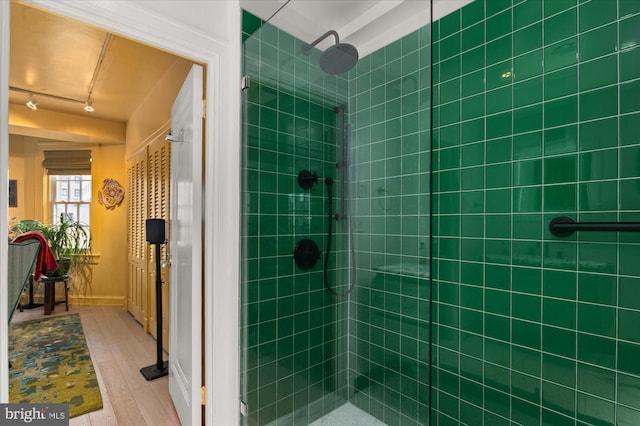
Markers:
21,262
45,261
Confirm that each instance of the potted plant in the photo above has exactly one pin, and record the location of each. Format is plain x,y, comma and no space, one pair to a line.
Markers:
69,240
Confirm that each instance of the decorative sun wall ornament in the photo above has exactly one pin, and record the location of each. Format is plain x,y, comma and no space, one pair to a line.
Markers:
111,194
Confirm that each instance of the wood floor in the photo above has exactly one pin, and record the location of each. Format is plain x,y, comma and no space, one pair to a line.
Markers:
119,347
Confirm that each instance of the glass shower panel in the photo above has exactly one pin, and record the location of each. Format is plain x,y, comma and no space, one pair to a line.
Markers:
349,335
294,346
389,315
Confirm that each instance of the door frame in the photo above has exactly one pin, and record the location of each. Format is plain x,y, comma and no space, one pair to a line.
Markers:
221,161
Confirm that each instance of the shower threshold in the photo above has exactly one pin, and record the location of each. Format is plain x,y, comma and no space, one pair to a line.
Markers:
348,415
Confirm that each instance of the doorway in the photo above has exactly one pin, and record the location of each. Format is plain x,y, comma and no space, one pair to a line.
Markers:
222,161
142,76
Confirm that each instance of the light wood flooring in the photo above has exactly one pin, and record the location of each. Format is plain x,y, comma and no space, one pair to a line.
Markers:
119,347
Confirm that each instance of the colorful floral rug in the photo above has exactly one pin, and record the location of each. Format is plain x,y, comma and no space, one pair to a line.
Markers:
50,363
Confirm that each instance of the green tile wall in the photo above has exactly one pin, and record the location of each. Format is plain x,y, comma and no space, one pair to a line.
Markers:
293,349
537,115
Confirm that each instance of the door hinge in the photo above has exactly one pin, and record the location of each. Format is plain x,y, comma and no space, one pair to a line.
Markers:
244,409
204,108
203,389
245,83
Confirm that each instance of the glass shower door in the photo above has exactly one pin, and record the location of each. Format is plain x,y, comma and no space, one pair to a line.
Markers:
345,335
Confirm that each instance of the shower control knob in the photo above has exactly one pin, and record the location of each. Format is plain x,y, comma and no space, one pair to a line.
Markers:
306,179
306,253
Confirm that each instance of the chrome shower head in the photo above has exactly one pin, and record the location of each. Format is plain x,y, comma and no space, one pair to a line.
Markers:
337,59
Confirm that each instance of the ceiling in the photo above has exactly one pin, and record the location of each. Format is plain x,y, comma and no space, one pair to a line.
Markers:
368,25
64,58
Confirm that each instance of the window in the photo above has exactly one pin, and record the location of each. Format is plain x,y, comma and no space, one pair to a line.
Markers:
70,195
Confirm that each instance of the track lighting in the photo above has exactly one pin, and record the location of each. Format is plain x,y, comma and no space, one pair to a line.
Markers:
88,107
32,104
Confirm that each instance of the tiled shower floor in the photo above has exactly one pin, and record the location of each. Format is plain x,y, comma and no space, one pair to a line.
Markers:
347,415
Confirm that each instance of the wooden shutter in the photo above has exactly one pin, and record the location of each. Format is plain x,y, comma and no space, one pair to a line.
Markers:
137,295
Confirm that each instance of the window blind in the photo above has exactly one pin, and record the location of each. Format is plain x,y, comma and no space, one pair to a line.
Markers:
77,162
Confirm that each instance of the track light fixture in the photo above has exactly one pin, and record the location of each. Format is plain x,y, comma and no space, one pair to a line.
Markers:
32,104
88,106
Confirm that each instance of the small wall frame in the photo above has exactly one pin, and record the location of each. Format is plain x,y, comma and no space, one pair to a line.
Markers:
13,193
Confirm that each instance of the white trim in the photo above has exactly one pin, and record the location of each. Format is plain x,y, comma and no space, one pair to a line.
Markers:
221,215
4,191
222,226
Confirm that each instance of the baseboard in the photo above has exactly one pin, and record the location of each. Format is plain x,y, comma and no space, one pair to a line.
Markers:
38,297
84,300
97,301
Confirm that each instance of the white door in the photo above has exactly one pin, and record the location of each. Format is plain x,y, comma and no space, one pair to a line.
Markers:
185,235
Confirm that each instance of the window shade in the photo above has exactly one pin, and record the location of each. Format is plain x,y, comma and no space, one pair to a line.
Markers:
67,162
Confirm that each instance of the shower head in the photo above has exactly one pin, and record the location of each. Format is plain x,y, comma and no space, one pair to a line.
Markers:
337,59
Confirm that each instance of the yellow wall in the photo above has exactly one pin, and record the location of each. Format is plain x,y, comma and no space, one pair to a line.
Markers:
16,171
154,113
108,227
25,166
109,231
108,284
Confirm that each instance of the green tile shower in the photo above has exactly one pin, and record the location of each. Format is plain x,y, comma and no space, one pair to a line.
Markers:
536,114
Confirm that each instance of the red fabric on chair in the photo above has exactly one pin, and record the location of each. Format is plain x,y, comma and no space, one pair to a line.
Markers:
46,260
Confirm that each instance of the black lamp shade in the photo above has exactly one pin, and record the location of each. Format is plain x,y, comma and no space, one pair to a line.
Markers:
155,231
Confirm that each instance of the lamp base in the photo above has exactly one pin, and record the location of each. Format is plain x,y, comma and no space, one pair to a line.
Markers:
151,372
